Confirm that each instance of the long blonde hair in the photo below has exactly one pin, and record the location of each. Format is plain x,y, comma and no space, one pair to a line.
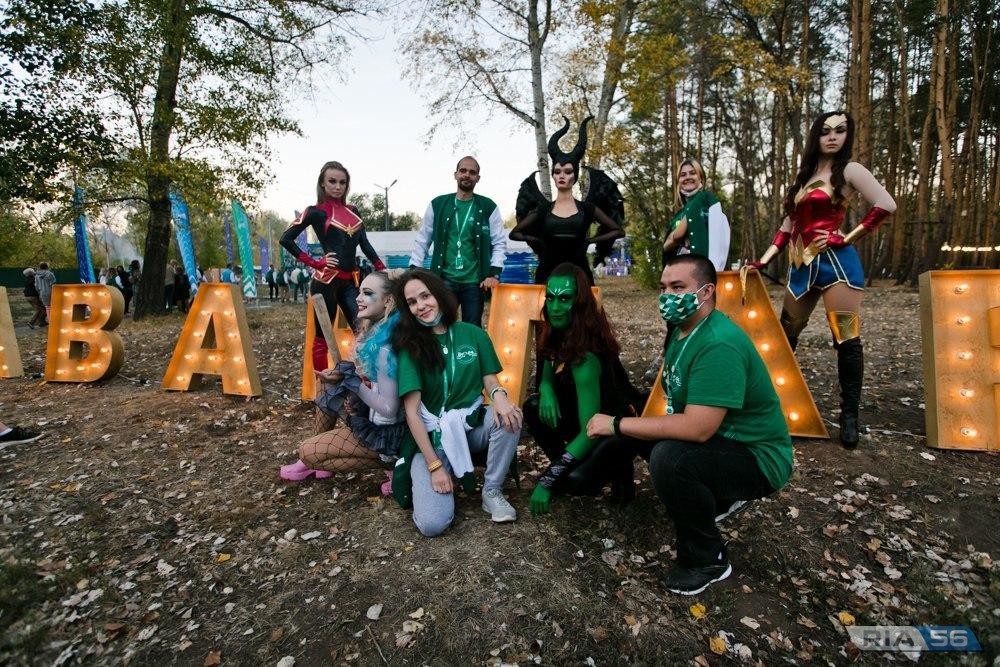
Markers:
688,161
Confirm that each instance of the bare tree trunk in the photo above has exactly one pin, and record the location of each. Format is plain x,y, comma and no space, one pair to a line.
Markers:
536,43
620,31
944,114
150,297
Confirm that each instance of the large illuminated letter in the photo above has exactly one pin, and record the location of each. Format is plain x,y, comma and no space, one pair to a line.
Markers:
514,309
960,325
10,355
215,340
82,344
750,308
341,332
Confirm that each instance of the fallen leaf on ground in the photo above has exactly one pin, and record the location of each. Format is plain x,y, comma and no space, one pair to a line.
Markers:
845,618
718,645
697,610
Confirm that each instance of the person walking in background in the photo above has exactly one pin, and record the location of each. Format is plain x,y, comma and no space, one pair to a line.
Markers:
134,274
272,286
123,283
182,289
469,241
44,280
168,284
281,280
31,294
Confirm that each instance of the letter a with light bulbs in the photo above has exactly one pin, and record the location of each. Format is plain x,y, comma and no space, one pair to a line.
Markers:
215,340
960,326
10,354
82,344
340,331
749,306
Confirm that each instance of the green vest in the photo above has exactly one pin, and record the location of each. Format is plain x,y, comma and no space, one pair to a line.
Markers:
444,216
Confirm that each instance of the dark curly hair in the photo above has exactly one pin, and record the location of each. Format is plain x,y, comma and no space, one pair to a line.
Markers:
588,330
412,336
810,158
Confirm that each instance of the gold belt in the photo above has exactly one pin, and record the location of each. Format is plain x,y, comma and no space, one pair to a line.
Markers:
799,254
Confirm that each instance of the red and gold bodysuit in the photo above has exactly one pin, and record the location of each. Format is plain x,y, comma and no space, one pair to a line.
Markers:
815,211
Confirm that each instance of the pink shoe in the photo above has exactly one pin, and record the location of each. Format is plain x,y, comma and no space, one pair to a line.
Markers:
298,471
387,485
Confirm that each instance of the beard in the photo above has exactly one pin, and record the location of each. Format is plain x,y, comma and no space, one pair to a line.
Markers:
466,186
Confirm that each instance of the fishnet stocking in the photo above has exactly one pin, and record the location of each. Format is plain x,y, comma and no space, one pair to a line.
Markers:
337,451
323,422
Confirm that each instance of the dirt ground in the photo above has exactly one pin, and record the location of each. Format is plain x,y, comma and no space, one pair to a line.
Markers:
152,528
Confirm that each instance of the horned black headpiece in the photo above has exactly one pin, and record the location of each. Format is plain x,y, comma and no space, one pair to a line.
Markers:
575,155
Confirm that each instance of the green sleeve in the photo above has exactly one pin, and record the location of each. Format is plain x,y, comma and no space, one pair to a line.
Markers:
587,378
408,374
714,379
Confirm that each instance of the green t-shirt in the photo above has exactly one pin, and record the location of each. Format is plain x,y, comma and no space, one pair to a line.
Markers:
470,356
461,263
717,365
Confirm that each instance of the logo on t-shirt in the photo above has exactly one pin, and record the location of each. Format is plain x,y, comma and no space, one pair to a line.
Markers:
466,354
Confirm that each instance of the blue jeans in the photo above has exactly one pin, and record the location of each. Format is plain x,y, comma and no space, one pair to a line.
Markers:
433,512
696,481
470,300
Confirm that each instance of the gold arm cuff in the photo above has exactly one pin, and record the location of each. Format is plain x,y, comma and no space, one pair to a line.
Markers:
845,325
856,234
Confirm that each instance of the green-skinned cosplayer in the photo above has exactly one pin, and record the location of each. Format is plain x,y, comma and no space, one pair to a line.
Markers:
581,375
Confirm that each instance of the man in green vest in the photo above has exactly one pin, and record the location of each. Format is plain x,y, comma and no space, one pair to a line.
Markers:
468,239
723,440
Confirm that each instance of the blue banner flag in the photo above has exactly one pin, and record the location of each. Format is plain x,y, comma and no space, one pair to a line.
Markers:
242,224
227,232
80,236
265,265
182,230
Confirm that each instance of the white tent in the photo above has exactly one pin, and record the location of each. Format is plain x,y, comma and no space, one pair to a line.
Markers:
401,243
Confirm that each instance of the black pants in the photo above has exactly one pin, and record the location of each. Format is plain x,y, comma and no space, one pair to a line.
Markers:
697,481
470,301
608,461
272,291
338,292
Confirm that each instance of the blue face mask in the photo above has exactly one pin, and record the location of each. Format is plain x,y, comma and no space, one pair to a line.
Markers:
675,308
433,323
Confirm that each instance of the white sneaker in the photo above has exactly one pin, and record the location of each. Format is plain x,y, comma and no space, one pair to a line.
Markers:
497,506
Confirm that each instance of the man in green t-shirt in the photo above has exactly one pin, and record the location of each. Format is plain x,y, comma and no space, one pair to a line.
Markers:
723,441
469,241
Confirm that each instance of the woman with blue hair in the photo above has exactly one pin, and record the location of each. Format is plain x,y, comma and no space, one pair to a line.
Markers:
361,393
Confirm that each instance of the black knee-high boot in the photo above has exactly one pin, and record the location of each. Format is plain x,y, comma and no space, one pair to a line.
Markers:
850,372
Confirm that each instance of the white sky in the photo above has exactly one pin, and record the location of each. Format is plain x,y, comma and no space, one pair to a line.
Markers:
376,125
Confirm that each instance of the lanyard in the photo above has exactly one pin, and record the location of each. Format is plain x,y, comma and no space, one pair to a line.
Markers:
449,362
669,372
468,214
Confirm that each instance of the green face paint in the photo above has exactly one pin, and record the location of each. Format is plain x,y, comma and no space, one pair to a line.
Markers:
560,293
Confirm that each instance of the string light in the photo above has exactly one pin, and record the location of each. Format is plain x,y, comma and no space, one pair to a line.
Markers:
764,347
965,355
963,320
969,432
780,381
752,314
794,416
967,393
961,289
729,284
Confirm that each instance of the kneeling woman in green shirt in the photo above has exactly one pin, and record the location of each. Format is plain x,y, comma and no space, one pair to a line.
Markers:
445,367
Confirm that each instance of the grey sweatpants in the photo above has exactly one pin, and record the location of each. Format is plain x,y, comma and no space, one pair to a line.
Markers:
433,512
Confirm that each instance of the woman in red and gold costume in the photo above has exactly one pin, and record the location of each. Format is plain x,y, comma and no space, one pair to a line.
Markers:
822,259
340,232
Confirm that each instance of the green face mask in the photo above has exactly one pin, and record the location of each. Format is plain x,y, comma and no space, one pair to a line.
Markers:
560,293
675,308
